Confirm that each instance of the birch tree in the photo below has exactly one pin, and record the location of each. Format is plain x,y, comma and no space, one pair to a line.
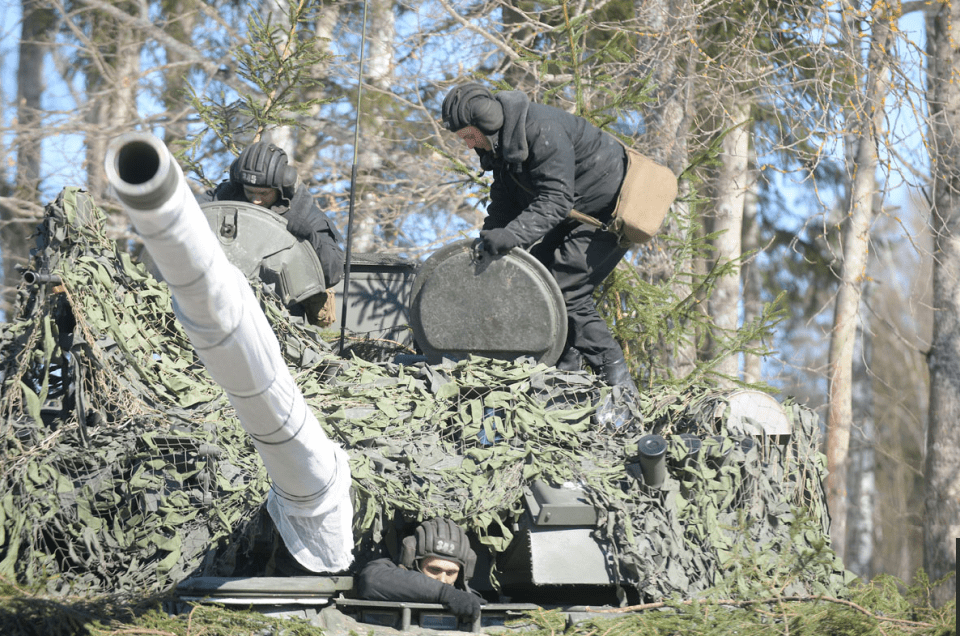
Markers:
866,117
750,272
942,479
371,156
731,191
111,68
19,213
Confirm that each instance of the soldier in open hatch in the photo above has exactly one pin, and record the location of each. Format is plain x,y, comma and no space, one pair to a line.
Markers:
546,162
261,175
436,564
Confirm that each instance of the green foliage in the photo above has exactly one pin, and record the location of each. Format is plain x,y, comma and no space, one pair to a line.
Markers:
884,607
587,56
275,65
652,318
33,615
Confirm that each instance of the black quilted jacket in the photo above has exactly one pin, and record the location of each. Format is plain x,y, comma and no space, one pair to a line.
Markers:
547,163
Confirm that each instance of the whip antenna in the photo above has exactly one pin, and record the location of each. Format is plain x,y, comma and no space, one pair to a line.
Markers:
353,184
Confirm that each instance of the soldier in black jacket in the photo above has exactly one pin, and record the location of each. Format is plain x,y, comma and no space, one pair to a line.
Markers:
262,176
546,162
436,564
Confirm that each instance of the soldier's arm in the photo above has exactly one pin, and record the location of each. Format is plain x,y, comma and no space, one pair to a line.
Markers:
384,580
315,227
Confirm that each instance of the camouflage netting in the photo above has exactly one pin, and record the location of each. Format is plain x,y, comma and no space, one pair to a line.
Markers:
124,465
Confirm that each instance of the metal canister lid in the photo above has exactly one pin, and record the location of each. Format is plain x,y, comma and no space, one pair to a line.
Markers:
652,446
504,307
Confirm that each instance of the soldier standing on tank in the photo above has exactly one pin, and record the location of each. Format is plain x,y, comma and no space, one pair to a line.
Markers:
436,564
261,175
546,162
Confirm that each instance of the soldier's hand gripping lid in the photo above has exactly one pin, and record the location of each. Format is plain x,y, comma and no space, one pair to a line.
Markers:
498,241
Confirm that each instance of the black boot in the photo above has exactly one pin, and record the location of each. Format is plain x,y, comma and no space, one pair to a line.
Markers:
621,406
571,360
617,373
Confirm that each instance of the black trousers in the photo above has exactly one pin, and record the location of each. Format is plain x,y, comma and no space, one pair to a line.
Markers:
580,257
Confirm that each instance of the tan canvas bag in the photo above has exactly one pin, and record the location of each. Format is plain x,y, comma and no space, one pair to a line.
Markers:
647,192
646,195
321,309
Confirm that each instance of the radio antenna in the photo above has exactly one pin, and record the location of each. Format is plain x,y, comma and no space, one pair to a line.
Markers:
353,184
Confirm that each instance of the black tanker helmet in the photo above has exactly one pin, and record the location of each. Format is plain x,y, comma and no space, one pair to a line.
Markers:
472,104
263,165
441,538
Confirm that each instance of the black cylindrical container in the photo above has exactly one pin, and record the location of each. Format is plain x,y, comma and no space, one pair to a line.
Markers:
652,455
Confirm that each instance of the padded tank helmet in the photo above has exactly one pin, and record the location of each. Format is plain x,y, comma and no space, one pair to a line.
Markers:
439,538
263,165
472,104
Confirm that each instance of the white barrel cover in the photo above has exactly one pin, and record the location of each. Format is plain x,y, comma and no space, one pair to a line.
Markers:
309,500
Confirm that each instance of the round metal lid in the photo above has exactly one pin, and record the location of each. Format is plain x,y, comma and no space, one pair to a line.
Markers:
753,412
505,307
652,446
255,240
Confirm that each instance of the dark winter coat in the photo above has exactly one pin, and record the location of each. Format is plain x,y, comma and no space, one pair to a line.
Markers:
546,163
384,580
323,236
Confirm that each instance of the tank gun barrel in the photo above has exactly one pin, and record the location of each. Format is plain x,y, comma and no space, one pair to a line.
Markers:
37,278
309,499
141,171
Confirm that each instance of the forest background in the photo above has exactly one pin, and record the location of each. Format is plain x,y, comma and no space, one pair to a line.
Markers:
812,251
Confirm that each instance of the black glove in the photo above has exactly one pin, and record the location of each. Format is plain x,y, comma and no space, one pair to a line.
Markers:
464,605
298,224
498,240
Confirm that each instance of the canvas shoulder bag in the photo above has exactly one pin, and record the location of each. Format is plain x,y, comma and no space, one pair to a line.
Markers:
646,194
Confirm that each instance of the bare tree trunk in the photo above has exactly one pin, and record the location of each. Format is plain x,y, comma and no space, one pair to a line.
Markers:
668,133
324,29
276,12
381,32
731,192
182,17
321,133
864,490
19,218
942,491
750,273
856,237
863,483
31,83
378,71
112,80
517,75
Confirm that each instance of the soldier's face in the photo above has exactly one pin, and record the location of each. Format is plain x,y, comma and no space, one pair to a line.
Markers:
261,196
472,136
442,570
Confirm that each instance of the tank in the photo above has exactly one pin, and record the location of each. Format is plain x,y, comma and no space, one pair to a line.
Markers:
134,472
